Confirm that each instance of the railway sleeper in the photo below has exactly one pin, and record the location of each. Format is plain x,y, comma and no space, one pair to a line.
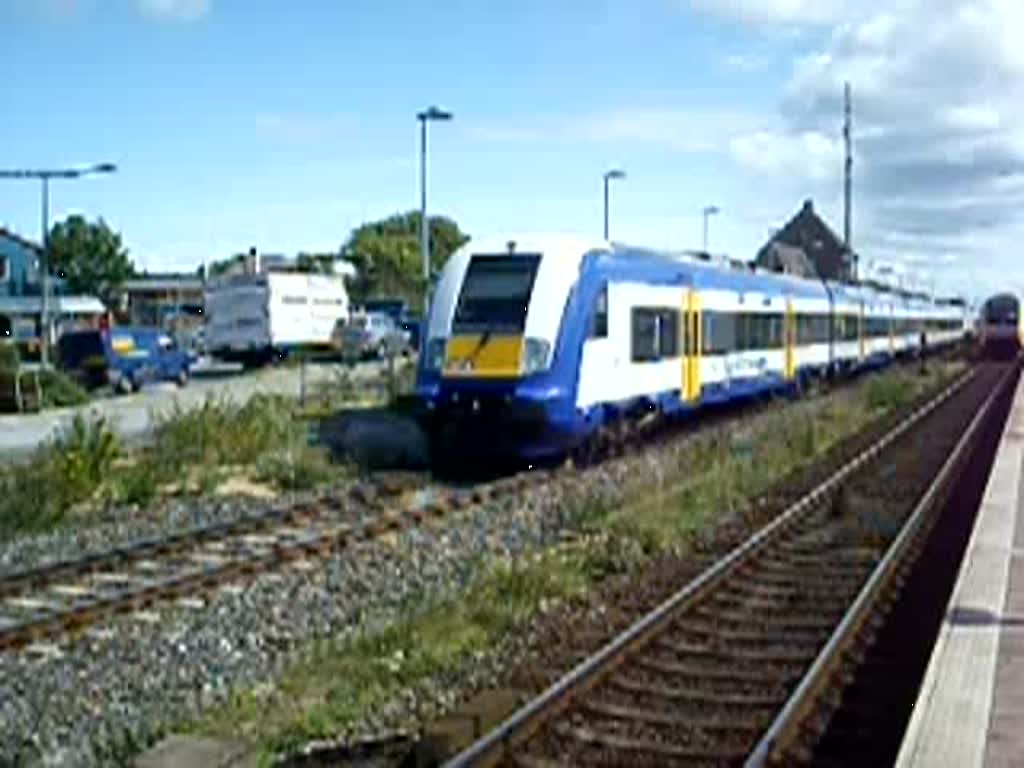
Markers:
785,652
751,637
688,695
683,667
676,723
732,619
707,715
789,602
653,747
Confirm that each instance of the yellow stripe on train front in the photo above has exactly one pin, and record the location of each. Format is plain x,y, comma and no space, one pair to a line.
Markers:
496,357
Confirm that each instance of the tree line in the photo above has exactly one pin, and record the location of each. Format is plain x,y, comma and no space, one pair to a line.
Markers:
91,257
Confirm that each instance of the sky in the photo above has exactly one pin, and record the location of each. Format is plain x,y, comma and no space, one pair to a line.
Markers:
284,125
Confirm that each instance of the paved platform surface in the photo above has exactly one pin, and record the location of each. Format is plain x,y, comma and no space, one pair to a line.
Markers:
970,709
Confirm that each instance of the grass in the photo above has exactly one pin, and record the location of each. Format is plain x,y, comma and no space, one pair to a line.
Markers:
340,682
85,469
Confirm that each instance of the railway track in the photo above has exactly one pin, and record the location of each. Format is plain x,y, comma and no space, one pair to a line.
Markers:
63,597
60,597
743,665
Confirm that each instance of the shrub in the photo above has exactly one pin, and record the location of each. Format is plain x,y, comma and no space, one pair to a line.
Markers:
888,392
60,390
68,470
9,357
138,483
84,454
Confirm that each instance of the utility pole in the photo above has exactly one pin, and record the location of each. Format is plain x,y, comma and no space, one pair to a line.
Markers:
615,173
431,113
709,210
848,178
44,259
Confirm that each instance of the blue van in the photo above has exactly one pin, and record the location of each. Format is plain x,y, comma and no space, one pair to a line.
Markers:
124,357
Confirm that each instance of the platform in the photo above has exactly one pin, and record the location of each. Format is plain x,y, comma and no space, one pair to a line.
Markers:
970,708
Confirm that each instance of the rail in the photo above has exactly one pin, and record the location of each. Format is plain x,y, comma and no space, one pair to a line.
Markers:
774,745
523,723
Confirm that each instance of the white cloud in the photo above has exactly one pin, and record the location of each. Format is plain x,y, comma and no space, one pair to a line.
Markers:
938,89
176,10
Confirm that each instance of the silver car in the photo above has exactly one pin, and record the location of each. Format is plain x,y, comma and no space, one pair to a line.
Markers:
373,335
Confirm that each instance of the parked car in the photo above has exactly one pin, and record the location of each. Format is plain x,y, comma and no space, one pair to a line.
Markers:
373,335
126,358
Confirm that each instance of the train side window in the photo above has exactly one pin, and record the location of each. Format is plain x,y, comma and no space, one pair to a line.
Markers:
668,333
719,333
599,317
644,343
655,334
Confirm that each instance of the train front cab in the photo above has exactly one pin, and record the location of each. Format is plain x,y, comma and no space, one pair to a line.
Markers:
495,382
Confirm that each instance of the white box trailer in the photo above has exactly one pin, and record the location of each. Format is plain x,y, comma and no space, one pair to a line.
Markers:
252,317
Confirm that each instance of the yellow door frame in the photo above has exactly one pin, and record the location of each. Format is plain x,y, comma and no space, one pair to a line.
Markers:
789,341
692,343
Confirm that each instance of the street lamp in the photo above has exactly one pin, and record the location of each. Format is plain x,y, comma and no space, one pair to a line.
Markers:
431,113
709,210
44,265
615,173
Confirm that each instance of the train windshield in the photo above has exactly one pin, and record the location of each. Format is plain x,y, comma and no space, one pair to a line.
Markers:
1001,309
495,294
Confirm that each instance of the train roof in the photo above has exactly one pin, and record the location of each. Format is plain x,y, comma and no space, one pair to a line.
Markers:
656,263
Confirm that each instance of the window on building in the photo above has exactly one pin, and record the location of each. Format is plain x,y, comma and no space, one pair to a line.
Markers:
599,318
655,334
5,269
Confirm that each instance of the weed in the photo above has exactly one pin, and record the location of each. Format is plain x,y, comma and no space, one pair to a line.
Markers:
85,453
889,392
138,483
300,468
60,390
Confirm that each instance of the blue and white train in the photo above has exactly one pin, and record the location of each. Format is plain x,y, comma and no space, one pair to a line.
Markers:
535,345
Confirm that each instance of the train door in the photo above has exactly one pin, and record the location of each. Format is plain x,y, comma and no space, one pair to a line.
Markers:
789,341
692,341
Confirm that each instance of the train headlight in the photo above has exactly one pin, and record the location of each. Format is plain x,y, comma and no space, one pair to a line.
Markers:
535,355
433,358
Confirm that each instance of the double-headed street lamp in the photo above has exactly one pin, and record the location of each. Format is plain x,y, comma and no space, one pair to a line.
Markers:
709,210
431,113
44,265
615,173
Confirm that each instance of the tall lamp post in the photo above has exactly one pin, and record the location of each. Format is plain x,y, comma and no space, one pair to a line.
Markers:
44,265
709,210
430,113
615,173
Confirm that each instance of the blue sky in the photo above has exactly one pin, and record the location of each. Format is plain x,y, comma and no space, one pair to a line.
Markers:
284,125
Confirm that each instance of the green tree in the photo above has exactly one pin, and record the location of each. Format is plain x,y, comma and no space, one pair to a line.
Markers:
90,256
315,262
386,255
